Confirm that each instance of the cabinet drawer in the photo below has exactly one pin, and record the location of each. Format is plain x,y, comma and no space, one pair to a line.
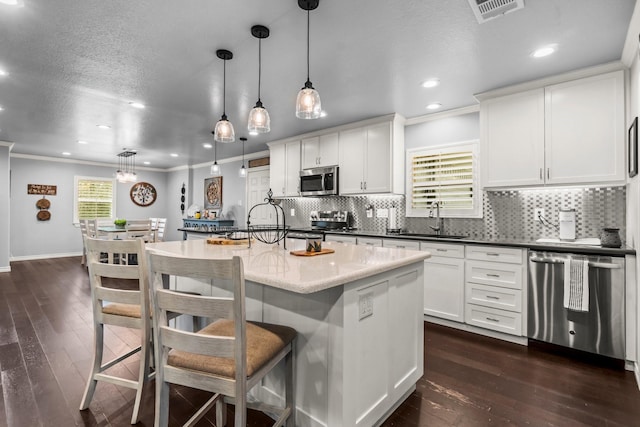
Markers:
489,253
368,241
443,249
494,274
340,239
402,244
491,296
491,318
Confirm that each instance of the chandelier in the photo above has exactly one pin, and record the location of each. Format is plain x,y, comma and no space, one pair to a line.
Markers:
126,167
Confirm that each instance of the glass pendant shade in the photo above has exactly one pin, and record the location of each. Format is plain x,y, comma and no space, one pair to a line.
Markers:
242,173
224,131
308,104
215,169
259,120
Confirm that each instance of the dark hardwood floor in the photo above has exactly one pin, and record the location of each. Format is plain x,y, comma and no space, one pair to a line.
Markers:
469,380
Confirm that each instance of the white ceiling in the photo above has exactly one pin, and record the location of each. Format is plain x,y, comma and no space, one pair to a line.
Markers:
74,64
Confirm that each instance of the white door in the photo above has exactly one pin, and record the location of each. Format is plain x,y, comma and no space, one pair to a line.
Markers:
257,189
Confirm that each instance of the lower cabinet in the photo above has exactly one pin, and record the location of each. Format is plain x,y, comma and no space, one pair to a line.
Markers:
444,281
369,241
494,283
340,238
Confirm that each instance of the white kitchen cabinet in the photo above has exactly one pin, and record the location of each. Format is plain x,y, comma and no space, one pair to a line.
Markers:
495,288
372,158
320,151
444,281
369,241
284,175
401,244
567,133
340,238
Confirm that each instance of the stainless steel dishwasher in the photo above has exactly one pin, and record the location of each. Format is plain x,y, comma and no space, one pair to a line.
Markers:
600,329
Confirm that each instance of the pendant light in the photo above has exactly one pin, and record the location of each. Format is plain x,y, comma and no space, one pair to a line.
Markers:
308,102
224,129
215,167
259,121
242,173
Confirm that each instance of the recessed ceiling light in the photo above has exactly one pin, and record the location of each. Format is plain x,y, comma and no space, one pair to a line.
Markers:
544,51
323,113
173,155
207,145
431,83
1,108
137,105
254,133
146,163
434,106
82,142
66,153
3,73
105,127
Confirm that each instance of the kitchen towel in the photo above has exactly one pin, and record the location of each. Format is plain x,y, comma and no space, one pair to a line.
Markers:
576,284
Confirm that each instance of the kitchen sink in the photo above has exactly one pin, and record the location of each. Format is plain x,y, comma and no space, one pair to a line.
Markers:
437,236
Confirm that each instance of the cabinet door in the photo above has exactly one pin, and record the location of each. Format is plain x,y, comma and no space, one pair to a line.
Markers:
585,132
277,169
328,154
352,146
377,164
292,173
512,140
310,148
369,241
444,288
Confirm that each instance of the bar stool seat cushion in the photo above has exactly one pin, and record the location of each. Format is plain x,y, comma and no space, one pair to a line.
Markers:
264,340
119,309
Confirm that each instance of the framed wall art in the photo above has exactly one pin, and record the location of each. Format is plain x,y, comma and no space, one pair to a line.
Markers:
633,148
213,193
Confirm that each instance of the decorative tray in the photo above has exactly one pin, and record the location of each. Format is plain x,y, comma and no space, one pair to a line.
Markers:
227,241
305,253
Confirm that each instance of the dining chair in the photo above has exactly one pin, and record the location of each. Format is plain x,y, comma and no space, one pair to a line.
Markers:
121,308
161,224
229,356
83,232
139,228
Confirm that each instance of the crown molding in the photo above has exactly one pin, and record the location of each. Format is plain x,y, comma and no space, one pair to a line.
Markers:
76,161
443,115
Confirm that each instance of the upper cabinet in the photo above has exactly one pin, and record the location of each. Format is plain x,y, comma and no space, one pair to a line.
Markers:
284,169
320,151
372,158
567,133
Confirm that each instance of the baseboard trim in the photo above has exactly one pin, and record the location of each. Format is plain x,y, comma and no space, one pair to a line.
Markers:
636,371
44,256
5,269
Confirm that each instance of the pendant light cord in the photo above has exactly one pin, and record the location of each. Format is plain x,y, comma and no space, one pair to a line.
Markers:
215,152
224,89
308,23
259,66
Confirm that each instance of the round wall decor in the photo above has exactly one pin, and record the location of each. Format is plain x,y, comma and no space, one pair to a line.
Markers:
143,194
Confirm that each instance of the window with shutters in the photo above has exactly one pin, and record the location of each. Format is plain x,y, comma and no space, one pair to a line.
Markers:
446,174
94,198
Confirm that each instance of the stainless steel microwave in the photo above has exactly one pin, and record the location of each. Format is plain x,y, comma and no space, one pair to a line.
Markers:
319,181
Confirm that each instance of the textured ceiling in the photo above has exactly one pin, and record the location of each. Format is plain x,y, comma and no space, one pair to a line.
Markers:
75,64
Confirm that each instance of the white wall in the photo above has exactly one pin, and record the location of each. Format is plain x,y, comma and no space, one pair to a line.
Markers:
443,131
31,238
5,225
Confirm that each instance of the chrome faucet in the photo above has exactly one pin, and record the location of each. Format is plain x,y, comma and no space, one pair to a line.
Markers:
439,227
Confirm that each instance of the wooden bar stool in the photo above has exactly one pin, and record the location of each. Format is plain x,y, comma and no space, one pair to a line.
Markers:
229,356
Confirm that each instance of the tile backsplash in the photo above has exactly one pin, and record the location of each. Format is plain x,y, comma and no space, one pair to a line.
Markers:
506,214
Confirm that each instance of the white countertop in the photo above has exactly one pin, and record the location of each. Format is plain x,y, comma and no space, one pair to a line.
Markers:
273,266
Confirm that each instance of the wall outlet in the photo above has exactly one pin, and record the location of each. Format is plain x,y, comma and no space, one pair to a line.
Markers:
369,213
382,213
537,213
365,305
293,212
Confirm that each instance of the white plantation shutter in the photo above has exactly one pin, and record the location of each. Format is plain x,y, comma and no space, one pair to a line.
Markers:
94,198
446,175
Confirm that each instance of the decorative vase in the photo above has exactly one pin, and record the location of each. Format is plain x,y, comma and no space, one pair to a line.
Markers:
610,238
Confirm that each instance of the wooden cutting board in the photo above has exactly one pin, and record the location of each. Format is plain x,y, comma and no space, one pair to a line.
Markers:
224,241
305,253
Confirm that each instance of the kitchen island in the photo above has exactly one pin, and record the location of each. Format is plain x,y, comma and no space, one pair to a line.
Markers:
358,313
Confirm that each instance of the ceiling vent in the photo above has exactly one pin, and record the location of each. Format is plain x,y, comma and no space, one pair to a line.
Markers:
489,9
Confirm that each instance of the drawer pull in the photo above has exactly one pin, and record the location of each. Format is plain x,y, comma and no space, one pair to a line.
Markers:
401,247
442,250
491,319
492,254
492,297
492,275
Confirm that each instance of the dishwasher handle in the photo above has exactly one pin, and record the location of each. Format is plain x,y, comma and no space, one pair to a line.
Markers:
549,260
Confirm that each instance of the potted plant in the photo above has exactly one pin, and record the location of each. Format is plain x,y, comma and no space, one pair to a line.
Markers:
120,223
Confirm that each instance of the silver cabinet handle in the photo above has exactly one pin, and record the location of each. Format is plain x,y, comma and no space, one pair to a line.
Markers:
492,297
540,174
361,185
606,265
442,250
492,275
365,185
401,247
548,173
492,254
491,319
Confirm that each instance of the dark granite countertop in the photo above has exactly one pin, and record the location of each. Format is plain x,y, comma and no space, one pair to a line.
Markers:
538,246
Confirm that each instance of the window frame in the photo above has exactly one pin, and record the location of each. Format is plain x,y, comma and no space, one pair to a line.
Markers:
471,145
77,179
